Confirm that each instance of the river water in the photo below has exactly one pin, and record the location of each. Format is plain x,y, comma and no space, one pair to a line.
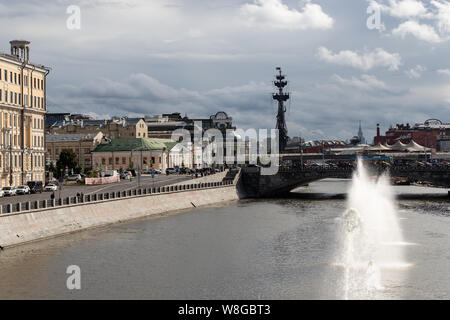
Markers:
263,249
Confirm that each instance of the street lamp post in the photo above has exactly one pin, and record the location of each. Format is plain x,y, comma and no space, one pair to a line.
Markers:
323,151
139,165
301,153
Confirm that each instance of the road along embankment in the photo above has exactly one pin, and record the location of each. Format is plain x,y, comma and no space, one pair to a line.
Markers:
58,218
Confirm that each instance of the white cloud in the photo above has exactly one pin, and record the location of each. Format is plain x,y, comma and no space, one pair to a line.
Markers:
443,15
364,61
444,72
428,22
404,8
416,72
420,31
366,82
275,14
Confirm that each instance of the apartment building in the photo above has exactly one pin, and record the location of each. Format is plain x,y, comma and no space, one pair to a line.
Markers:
22,114
115,128
81,144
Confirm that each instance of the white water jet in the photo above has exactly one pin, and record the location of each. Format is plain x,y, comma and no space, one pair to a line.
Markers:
369,225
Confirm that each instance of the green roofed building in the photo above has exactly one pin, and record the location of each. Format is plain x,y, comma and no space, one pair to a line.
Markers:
144,153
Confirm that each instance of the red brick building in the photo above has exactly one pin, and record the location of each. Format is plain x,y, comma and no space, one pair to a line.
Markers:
431,134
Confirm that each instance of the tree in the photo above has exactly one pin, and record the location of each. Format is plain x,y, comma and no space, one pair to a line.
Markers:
51,168
66,158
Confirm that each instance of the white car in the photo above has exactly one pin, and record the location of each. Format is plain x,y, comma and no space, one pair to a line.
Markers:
51,187
9,191
74,177
23,190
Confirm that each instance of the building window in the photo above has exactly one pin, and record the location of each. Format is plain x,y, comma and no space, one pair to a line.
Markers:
124,161
117,160
103,161
109,160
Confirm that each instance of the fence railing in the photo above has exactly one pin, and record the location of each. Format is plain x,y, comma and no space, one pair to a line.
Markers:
27,206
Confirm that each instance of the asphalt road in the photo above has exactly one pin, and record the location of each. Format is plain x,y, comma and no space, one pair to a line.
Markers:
66,191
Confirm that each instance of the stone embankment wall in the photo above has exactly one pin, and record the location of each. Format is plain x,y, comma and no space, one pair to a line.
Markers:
23,227
217,177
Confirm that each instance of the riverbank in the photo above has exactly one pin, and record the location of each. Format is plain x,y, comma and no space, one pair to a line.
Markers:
44,223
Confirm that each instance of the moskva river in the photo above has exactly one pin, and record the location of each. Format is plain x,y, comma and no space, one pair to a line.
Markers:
264,249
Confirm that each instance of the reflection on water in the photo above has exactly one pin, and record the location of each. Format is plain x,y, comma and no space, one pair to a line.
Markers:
265,249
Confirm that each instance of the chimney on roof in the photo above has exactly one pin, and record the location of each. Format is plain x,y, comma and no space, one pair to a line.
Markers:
378,129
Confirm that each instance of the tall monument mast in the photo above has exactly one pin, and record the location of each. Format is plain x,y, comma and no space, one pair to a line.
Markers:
281,97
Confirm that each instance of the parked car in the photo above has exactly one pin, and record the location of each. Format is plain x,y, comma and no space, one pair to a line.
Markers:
74,177
157,171
35,186
23,190
170,171
9,191
126,175
51,187
52,180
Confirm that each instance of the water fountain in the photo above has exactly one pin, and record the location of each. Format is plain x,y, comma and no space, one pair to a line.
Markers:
371,236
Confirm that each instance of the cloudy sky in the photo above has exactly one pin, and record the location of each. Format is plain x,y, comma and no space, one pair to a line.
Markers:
136,57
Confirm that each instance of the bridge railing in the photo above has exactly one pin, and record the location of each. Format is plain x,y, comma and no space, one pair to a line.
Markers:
314,169
33,205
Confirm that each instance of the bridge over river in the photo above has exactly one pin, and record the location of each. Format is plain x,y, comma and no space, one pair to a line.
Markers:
255,185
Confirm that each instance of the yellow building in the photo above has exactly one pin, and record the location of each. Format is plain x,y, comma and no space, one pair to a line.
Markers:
22,114
80,143
140,153
115,128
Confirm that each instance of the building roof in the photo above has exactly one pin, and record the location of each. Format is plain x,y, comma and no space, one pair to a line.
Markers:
132,120
69,137
18,60
136,144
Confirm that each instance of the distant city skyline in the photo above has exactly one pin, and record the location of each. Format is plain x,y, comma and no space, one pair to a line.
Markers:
136,57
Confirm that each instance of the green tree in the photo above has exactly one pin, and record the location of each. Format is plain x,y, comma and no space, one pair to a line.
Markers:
66,158
51,168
